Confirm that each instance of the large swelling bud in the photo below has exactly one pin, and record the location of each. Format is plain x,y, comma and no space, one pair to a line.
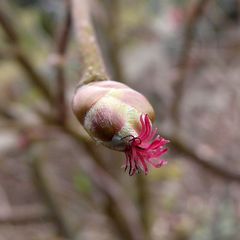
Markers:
120,118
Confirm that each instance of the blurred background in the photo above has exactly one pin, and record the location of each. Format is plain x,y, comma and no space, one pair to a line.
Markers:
184,55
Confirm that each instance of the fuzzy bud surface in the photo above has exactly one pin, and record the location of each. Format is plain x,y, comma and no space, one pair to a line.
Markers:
120,118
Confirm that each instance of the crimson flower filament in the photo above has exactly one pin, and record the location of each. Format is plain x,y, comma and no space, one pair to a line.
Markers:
146,148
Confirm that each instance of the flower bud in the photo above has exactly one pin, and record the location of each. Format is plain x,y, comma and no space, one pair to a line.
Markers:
120,118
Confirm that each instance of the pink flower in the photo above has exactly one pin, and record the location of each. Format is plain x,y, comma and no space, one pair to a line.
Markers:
146,148
121,119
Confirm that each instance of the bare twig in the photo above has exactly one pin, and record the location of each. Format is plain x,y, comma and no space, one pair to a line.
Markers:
143,203
13,38
122,205
62,42
109,33
8,28
188,38
5,54
117,219
35,78
93,66
183,146
25,215
44,187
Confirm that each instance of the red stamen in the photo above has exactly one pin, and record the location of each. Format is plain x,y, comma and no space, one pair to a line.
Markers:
145,148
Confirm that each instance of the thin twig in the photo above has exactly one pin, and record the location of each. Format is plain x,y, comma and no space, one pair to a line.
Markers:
143,203
41,181
93,66
123,206
185,147
109,33
188,38
117,219
61,48
26,215
35,78
8,28
22,59
5,54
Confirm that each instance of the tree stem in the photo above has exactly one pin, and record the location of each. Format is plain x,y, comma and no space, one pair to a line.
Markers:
93,65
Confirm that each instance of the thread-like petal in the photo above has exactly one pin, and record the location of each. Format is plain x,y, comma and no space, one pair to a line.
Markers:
145,149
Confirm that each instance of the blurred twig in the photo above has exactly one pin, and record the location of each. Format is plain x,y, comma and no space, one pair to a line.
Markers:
143,203
22,59
41,181
119,200
61,48
109,30
9,30
6,114
118,219
26,214
185,147
195,13
5,54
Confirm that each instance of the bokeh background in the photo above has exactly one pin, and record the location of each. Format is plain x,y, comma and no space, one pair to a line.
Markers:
184,55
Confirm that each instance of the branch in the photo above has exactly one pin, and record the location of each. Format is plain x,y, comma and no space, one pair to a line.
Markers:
34,77
41,181
8,28
188,38
142,186
61,48
93,66
109,33
123,206
117,219
26,215
207,163
13,38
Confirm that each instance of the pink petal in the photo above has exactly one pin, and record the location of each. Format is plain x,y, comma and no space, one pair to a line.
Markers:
145,149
